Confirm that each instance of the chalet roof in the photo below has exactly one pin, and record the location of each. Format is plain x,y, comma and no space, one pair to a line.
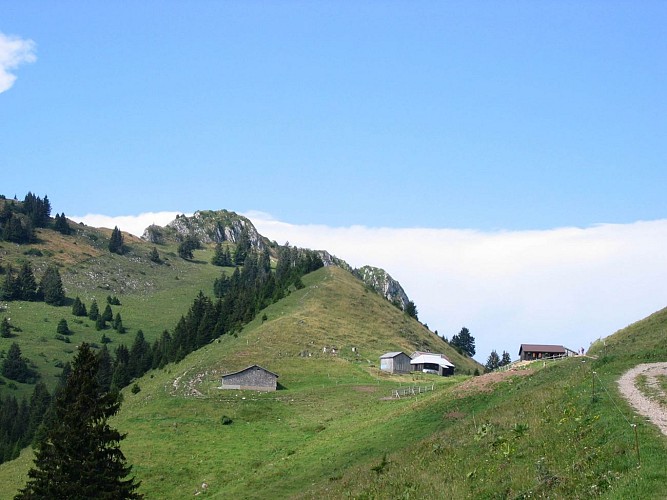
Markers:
248,368
391,354
436,359
541,348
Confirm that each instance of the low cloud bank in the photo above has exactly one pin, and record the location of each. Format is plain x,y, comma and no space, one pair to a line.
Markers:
561,286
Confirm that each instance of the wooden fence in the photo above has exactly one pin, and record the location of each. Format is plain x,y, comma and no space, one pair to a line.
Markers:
411,391
522,365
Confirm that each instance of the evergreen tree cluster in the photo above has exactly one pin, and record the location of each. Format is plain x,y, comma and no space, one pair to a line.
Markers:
22,285
222,256
494,361
18,220
61,225
100,318
20,421
293,263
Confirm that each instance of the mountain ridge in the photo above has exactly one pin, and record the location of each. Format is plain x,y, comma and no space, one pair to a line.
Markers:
220,226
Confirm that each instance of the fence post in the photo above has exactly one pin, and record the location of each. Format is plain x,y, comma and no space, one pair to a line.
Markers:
639,462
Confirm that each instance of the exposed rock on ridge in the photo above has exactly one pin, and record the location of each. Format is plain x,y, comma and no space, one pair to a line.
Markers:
208,227
380,281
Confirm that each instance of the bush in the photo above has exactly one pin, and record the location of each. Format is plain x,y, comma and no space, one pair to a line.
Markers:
63,327
225,420
136,389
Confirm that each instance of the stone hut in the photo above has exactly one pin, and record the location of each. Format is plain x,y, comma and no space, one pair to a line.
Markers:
253,378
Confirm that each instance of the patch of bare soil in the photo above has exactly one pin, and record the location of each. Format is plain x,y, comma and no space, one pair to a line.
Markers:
365,388
644,405
486,382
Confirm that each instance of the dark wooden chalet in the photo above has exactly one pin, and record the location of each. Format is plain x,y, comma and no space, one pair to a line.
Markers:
530,352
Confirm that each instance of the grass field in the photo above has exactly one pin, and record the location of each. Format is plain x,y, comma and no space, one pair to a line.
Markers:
554,431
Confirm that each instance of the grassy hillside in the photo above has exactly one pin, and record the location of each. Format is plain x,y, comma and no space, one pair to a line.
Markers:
554,431
330,414
547,433
153,296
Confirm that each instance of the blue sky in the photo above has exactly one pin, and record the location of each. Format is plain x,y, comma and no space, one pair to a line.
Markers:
489,118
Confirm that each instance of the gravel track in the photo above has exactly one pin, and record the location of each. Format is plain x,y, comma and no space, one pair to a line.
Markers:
652,410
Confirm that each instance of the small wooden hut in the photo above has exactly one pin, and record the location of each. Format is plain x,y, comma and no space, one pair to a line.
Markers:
253,378
395,362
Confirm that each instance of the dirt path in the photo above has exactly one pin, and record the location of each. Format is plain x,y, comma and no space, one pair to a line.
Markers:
645,406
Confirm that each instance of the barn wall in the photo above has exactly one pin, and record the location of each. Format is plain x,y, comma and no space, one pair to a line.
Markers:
254,379
402,364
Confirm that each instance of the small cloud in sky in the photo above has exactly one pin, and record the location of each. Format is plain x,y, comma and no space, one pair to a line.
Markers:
566,286
14,51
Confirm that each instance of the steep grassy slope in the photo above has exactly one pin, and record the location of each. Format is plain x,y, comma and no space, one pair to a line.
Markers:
153,296
330,414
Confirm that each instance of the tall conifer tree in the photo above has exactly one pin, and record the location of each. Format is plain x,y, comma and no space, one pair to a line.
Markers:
79,456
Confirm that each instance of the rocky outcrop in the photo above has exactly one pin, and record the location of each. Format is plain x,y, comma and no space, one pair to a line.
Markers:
380,281
332,260
207,226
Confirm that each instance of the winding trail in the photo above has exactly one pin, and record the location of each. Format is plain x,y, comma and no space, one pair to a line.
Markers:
645,406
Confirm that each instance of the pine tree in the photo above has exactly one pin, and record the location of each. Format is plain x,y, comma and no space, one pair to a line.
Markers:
118,324
187,246
505,359
154,256
5,329
411,309
51,287
15,367
116,241
94,311
63,327
243,246
105,369
79,308
218,258
140,360
26,285
464,342
40,401
80,456
493,362
107,315
9,287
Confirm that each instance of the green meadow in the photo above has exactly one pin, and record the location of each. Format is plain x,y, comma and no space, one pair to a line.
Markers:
332,430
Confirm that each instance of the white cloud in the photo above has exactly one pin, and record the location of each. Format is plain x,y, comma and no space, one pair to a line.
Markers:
14,51
563,286
133,224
